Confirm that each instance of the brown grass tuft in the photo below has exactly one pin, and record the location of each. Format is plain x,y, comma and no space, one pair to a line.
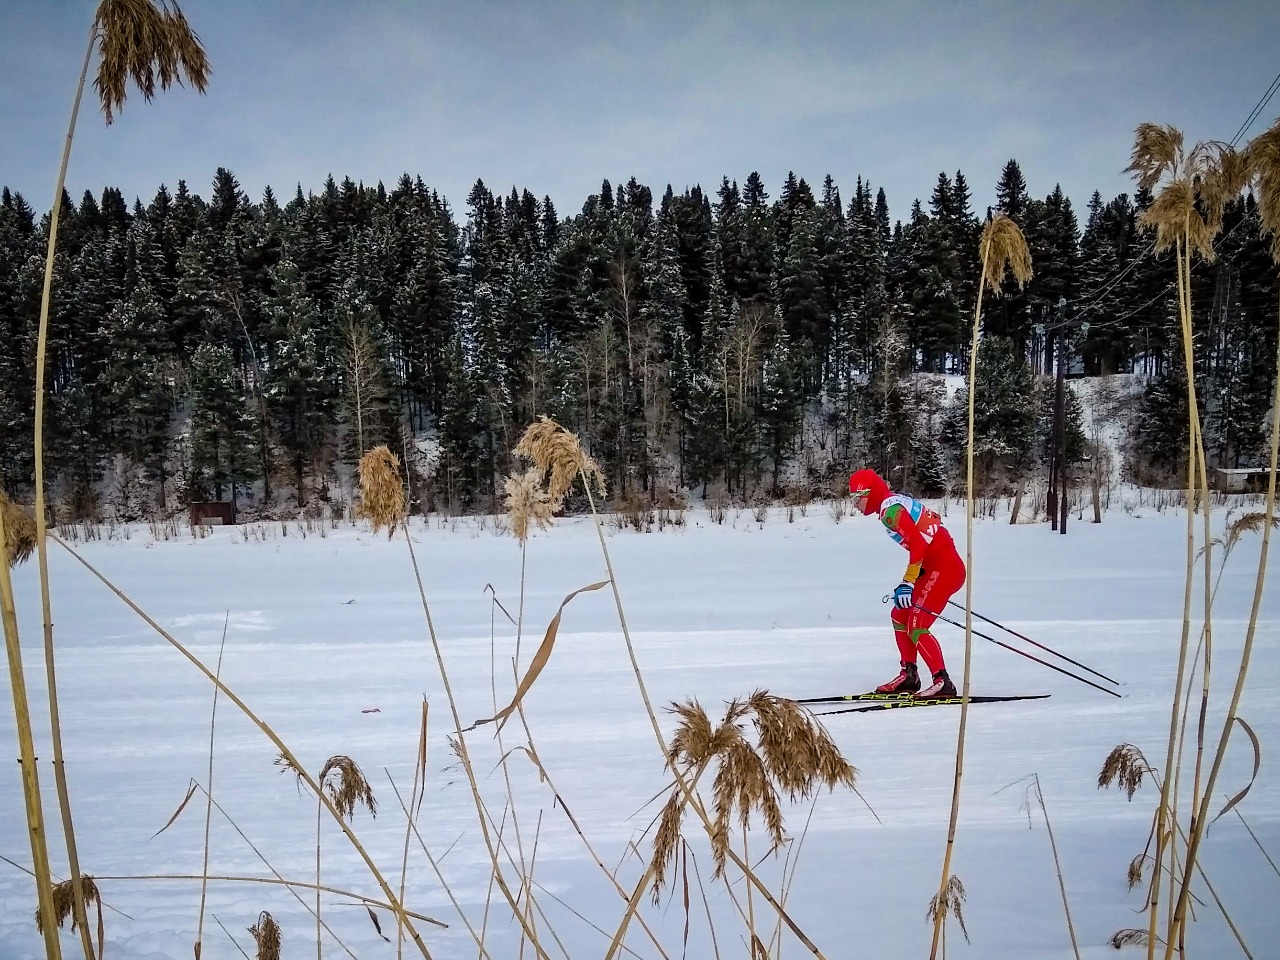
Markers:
151,44
1137,866
1125,766
64,900
19,532
950,899
381,492
344,781
1002,248
1129,937
557,453
266,934
527,500
1262,160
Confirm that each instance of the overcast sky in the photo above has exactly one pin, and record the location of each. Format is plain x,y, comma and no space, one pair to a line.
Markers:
555,96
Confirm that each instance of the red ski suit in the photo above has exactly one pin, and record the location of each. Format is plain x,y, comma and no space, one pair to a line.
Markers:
933,567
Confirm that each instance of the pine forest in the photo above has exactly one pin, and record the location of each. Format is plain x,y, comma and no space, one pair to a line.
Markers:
740,345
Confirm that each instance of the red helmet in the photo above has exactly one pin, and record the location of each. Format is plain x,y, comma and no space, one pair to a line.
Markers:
867,485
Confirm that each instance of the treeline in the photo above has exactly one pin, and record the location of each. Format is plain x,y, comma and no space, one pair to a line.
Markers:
736,342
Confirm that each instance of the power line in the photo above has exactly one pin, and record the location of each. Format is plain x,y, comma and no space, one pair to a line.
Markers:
1258,107
1257,110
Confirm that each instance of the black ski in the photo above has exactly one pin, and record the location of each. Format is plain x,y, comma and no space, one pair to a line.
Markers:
849,697
901,700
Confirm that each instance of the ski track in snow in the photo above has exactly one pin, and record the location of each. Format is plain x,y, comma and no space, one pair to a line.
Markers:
320,630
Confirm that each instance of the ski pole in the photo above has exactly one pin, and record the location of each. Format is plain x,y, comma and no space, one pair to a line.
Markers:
1021,653
1063,656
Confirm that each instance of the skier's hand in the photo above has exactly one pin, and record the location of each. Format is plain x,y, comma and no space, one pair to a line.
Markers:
902,598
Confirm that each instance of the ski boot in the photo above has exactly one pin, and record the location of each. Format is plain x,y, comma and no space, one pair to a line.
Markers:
908,681
941,689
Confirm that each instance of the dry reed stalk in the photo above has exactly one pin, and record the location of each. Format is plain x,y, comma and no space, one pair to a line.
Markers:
276,881
262,725
415,799
344,780
153,45
1186,215
381,491
1263,168
458,742
410,818
19,532
266,935
208,807
1127,767
1057,867
545,776
540,659
27,758
1002,250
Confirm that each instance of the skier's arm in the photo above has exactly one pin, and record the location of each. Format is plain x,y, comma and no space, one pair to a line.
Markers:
898,519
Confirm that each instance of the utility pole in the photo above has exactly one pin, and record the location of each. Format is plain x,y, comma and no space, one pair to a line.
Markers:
1060,412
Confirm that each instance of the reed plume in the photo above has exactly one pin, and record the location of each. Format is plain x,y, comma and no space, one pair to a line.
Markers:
1125,767
381,492
19,532
64,901
558,455
1003,250
151,44
346,785
1262,160
528,500
266,934
791,754
950,899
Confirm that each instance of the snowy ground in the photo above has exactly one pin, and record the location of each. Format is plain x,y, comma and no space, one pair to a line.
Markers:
323,629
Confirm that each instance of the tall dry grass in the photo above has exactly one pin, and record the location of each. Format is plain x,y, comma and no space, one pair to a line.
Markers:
1191,189
1259,164
1002,251
150,44
265,729
14,546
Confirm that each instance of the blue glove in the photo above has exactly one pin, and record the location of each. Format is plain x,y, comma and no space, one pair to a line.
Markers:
902,595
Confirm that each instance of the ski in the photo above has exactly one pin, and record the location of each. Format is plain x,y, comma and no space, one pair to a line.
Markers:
850,697
899,700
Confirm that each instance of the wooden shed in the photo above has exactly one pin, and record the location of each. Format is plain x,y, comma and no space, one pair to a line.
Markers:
213,513
1241,479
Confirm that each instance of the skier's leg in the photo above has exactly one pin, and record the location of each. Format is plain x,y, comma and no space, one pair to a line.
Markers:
922,615
901,634
908,680
938,582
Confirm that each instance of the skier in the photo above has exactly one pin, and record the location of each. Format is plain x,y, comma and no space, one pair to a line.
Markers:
934,573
